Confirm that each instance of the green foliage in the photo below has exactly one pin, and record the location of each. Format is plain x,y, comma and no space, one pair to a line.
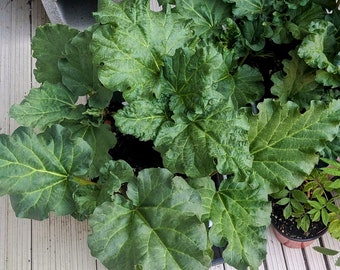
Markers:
246,90
49,43
320,48
157,221
284,150
47,105
298,83
234,205
38,171
328,252
315,200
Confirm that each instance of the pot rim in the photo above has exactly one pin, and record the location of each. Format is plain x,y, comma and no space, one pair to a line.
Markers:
322,232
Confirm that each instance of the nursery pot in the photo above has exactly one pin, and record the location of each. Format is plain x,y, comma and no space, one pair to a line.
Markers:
76,13
288,234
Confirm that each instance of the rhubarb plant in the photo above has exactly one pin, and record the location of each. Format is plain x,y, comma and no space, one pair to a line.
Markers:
154,125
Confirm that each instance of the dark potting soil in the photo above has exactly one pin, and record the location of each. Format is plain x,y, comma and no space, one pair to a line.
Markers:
288,227
138,154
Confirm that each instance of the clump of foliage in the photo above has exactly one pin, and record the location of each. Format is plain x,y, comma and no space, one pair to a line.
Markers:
315,200
244,89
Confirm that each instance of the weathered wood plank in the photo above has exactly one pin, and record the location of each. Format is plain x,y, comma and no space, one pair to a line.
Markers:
315,259
100,266
20,54
61,243
331,243
5,32
15,68
294,258
275,258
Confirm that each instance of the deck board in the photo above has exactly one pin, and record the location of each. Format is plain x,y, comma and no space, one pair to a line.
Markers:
15,80
60,243
315,260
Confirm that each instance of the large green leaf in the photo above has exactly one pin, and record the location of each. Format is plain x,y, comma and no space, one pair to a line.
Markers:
37,170
300,19
297,84
191,81
321,47
245,86
48,48
285,142
240,214
50,104
220,130
194,78
100,138
79,73
249,8
156,227
293,21
142,118
208,15
130,45
254,33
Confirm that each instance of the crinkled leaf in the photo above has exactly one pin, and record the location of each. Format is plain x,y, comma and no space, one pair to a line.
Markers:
193,79
293,4
142,118
79,73
100,138
246,86
157,227
332,148
300,19
129,47
297,84
248,8
289,23
231,38
284,142
207,189
37,170
321,47
85,200
239,214
254,33
50,104
328,79
208,16
48,47
113,175
219,129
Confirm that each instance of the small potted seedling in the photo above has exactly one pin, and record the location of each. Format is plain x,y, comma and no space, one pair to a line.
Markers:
304,214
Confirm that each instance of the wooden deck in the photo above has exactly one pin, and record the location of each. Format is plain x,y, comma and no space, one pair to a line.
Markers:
59,243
